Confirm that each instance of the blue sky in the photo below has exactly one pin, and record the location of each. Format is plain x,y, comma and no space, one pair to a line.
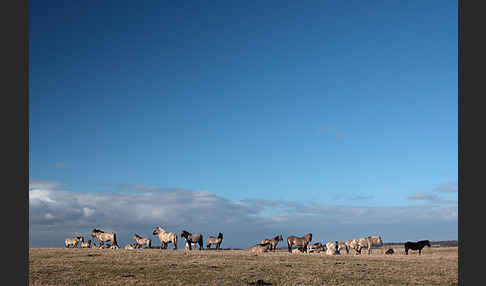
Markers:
343,104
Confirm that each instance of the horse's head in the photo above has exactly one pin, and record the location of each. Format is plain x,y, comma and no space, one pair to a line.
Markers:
308,237
427,243
94,232
378,240
157,230
220,235
184,233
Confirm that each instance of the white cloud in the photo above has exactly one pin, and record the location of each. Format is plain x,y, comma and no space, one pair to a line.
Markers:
56,214
88,212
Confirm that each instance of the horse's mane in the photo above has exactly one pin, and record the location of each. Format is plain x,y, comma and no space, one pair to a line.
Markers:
183,232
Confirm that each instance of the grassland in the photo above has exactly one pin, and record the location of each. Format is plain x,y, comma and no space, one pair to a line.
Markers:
58,266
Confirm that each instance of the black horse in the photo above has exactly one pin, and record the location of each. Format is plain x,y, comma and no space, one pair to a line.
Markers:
416,245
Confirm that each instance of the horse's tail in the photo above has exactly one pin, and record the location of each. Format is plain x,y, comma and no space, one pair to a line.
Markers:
175,241
289,245
114,240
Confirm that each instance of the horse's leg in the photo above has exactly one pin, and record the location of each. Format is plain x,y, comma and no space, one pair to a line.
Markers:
420,251
406,251
289,244
200,245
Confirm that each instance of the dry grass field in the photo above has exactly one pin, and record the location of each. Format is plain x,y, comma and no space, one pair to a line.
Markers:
58,266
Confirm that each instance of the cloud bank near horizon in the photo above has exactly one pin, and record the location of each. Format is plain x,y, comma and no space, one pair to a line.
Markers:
55,214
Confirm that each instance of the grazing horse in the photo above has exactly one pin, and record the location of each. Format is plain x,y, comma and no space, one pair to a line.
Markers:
73,241
390,251
214,240
359,243
192,238
416,245
260,248
165,237
273,241
299,241
104,236
86,244
142,241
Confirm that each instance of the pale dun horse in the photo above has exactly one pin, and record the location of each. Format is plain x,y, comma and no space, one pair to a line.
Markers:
104,237
369,242
142,241
165,237
214,241
73,241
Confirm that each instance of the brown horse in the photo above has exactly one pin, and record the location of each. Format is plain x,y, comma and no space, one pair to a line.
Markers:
192,238
273,241
390,251
214,240
299,241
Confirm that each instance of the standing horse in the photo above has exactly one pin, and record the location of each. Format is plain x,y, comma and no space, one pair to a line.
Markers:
416,246
165,237
214,240
104,236
359,243
142,241
273,242
192,238
73,241
299,241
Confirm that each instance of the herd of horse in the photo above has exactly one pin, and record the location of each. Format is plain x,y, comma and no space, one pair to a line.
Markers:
302,244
